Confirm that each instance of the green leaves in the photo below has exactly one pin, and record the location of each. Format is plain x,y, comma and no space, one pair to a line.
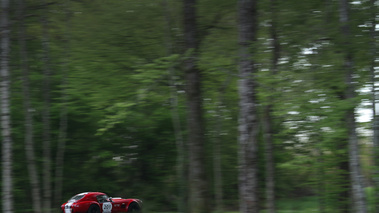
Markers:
115,114
125,75
157,71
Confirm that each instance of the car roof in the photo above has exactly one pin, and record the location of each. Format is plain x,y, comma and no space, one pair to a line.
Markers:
90,194
94,193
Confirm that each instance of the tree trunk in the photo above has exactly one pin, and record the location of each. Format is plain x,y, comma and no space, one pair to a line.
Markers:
359,198
29,144
198,188
375,101
7,194
47,192
248,124
63,115
268,118
343,204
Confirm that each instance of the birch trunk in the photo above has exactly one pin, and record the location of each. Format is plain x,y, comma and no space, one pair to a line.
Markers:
358,194
29,143
248,124
7,195
375,100
198,188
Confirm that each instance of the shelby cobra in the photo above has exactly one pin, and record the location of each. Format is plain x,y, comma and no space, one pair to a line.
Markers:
98,202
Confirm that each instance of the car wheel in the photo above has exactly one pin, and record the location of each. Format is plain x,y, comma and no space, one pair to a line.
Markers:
93,209
134,207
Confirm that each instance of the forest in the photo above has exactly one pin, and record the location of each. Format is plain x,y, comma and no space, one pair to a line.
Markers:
193,106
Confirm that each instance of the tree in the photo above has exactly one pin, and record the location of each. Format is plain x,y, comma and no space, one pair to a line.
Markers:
375,97
7,186
248,117
198,188
358,194
29,142
125,75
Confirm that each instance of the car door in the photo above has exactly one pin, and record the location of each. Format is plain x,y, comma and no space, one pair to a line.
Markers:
107,207
105,204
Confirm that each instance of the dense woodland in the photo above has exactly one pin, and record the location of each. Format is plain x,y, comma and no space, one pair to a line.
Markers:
191,106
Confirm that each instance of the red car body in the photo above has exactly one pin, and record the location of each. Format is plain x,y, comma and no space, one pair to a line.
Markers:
98,202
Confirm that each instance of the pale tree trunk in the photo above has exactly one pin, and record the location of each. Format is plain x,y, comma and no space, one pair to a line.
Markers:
248,122
375,101
47,192
358,194
59,162
198,188
7,194
175,117
29,144
268,117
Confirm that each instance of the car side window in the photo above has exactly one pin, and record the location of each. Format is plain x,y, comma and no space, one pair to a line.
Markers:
102,198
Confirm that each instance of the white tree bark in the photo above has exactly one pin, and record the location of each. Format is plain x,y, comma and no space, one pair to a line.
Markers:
7,195
375,99
28,123
356,178
248,121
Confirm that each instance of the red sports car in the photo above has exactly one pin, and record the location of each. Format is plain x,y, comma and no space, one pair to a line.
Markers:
98,202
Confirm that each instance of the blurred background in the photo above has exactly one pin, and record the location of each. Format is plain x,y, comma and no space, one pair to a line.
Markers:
101,100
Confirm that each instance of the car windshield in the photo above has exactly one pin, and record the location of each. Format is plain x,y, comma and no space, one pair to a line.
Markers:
102,198
77,197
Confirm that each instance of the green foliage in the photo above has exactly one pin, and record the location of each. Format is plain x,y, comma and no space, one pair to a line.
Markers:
370,193
124,61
